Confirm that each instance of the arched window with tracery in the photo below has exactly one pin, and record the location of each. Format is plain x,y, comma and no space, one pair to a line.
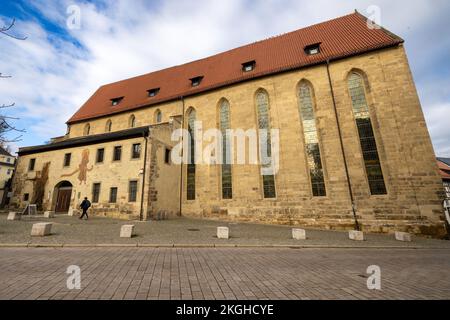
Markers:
190,189
224,124
314,160
366,135
265,144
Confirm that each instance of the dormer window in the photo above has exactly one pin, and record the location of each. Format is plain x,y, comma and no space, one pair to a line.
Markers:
196,81
116,101
249,66
313,49
153,92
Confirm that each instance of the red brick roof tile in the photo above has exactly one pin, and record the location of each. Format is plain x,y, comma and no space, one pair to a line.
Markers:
339,38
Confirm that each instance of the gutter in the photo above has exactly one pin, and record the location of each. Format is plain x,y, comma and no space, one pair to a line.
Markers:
357,227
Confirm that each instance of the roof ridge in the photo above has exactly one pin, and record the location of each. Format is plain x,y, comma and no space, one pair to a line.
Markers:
234,49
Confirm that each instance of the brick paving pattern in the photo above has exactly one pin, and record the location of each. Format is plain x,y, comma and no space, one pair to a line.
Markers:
221,273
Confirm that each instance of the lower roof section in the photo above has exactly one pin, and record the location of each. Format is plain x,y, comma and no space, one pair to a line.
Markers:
88,140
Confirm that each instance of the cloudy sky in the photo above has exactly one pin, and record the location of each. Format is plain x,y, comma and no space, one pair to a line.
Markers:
57,68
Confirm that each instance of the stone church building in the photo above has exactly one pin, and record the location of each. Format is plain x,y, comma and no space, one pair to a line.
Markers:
342,96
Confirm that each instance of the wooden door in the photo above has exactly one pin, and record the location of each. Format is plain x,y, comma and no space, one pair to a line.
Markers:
63,202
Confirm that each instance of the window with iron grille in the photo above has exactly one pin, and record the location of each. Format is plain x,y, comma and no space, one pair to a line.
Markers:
100,155
136,151
265,144
117,153
190,190
67,158
113,195
366,135
96,193
311,135
227,184
132,192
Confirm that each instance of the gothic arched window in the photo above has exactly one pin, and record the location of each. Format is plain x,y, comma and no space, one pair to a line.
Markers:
366,135
190,190
306,109
108,127
224,124
265,145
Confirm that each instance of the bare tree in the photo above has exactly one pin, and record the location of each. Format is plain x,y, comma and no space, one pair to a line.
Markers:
6,125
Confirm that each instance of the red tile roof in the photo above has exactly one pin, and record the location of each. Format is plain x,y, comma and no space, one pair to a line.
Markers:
444,170
339,38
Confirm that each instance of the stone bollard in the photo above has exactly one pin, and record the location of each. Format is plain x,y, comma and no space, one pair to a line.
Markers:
49,214
14,216
356,235
127,231
223,233
403,236
298,234
41,229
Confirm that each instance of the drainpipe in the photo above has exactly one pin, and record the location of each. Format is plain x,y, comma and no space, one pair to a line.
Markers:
357,227
182,156
141,214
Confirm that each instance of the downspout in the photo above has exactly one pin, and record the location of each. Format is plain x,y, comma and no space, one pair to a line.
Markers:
357,227
182,157
141,214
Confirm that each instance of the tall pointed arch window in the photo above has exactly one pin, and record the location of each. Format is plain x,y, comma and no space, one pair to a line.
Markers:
158,116
366,135
132,121
190,189
265,144
108,126
224,124
87,129
306,109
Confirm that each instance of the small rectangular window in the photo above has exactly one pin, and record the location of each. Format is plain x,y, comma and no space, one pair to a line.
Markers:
26,197
117,153
113,195
136,151
153,92
248,66
67,158
96,193
31,164
100,155
132,192
167,156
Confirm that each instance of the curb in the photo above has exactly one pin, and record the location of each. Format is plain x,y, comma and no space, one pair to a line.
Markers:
218,246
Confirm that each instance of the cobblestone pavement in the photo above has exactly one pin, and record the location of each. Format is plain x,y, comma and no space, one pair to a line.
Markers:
223,273
183,231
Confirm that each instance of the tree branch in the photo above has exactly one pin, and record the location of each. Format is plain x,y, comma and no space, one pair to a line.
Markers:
4,30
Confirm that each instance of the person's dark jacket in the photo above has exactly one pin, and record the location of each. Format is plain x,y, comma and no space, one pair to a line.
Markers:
86,204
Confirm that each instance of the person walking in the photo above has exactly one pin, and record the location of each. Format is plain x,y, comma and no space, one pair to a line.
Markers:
85,205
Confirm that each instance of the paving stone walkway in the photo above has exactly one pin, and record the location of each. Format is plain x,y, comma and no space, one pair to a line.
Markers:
223,273
182,231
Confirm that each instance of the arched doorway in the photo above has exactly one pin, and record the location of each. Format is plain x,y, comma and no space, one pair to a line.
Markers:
63,191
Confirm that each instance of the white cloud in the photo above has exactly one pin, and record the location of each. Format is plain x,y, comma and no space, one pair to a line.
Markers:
119,39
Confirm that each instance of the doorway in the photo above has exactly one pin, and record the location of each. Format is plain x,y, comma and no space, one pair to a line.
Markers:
64,195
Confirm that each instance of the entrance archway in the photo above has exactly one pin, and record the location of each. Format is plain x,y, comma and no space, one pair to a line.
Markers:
63,192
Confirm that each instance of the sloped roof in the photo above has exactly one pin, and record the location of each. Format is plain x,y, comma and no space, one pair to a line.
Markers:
445,160
444,168
3,152
342,37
